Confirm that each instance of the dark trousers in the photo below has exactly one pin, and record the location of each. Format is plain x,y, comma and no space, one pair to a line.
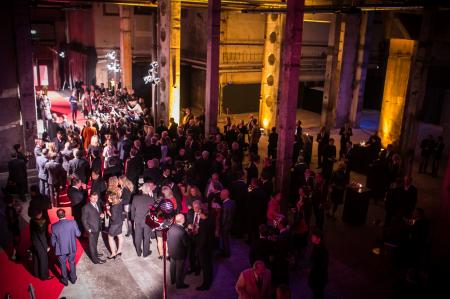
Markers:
177,272
93,240
253,148
63,265
40,263
77,214
423,164
225,236
435,167
54,195
205,259
193,260
142,232
43,187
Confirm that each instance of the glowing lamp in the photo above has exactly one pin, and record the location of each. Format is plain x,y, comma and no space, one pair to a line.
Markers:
265,123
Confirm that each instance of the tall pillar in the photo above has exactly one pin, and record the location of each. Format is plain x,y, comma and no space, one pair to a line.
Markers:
362,61
288,91
126,53
271,70
212,67
24,56
169,58
340,70
401,52
416,91
332,72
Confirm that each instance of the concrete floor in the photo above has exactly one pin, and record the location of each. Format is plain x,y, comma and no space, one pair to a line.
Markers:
354,271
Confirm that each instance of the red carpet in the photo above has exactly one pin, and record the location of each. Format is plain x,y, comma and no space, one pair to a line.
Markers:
16,277
61,105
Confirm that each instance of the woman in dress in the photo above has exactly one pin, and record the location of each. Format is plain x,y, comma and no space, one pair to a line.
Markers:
73,100
115,213
39,240
127,189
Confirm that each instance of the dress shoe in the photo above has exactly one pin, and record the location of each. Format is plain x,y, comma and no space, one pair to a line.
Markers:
100,262
160,257
73,281
65,283
202,288
100,254
183,286
139,253
49,277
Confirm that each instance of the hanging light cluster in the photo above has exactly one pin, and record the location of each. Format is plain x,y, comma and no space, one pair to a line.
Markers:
152,75
113,64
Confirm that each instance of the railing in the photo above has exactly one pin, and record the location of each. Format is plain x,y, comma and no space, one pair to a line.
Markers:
253,57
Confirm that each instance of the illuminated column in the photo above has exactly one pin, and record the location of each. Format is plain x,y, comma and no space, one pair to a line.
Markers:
288,91
362,60
271,70
169,59
25,73
126,54
212,67
401,52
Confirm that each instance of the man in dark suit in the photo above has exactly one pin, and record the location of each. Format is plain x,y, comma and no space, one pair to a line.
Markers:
59,141
177,242
134,167
409,196
56,178
98,185
238,193
228,209
77,198
79,167
139,209
329,157
204,245
92,216
257,201
172,129
42,172
114,168
322,140
17,173
64,238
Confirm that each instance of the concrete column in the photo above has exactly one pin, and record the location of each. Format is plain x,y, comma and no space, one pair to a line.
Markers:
212,67
169,58
401,52
270,75
332,72
126,53
288,91
340,71
416,92
362,60
24,56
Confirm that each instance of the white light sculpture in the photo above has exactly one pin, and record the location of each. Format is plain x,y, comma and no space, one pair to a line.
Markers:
152,74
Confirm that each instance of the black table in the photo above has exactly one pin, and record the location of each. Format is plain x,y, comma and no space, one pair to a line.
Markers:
356,205
360,158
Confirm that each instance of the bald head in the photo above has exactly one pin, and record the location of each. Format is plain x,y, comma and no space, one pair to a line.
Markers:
179,219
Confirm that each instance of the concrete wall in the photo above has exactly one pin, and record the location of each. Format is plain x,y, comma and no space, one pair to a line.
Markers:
107,37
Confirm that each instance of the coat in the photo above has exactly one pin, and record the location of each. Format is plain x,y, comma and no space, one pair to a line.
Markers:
177,242
139,208
91,218
64,236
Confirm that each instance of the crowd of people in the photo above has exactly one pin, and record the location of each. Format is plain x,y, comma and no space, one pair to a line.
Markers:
120,163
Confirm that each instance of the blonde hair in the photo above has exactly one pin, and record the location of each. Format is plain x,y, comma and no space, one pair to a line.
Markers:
94,140
114,197
126,182
113,185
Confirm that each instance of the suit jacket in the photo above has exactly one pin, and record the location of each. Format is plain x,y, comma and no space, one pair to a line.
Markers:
177,242
135,167
40,163
79,168
139,208
64,236
91,218
76,196
247,288
59,144
56,173
228,209
18,173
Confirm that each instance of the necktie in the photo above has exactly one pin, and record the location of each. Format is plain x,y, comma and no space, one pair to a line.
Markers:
259,282
196,219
